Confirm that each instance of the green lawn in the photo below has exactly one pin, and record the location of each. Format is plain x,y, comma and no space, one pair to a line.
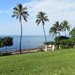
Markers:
60,62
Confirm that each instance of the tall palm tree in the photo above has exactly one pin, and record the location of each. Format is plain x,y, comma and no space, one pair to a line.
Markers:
65,26
20,13
42,18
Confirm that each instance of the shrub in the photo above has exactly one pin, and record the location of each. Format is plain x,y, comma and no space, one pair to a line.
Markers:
6,41
67,43
48,43
60,40
1,43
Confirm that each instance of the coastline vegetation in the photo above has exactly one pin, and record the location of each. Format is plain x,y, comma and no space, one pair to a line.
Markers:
6,42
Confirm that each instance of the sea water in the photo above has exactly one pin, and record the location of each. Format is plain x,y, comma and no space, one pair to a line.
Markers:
28,42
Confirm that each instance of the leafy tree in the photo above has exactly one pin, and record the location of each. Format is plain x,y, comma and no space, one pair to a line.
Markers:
65,26
20,12
72,34
48,43
62,41
66,43
42,18
1,43
62,37
7,41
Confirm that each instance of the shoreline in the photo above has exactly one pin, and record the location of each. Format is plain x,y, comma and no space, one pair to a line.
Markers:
28,50
24,51
32,50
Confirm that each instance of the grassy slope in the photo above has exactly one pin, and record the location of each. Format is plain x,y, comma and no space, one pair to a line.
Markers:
60,62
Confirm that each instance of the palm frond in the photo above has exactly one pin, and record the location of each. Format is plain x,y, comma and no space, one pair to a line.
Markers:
15,9
19,12
25,18
13,15
25,8
46,19
19,6
41,16
25,13
38,22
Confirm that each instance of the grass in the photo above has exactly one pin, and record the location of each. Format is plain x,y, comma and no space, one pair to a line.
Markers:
60,62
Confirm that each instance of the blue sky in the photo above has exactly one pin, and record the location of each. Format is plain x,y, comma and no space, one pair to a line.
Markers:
57,10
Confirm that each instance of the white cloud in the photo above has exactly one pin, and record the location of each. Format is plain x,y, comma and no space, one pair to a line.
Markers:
55,9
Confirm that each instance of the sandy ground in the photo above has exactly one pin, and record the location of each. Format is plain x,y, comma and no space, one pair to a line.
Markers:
28,50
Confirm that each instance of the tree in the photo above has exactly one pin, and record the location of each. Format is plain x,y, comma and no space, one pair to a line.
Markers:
66,43
42,18
65,26
58,27
54,30
20,12
7,41
1,43
72,34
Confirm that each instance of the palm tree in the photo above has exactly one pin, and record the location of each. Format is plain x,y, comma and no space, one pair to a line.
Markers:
42,18
53,31
58,27
20,12
65,26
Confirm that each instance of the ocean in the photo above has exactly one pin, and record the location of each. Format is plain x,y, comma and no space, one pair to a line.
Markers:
28,42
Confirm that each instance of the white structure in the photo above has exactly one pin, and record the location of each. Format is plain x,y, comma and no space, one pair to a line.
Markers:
45,47
49,47
53,47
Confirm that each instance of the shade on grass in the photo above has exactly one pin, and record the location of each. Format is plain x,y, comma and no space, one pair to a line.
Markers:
60,62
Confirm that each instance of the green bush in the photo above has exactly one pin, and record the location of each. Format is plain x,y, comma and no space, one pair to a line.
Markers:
48,43
63,42
1,43
59,38
66,43
6,42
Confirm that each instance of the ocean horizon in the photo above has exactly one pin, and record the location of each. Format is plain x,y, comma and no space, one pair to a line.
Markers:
28,42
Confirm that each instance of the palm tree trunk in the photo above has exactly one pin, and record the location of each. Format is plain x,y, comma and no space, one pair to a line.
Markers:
44,33
21,37
56,40
65,32
59,41
45,38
